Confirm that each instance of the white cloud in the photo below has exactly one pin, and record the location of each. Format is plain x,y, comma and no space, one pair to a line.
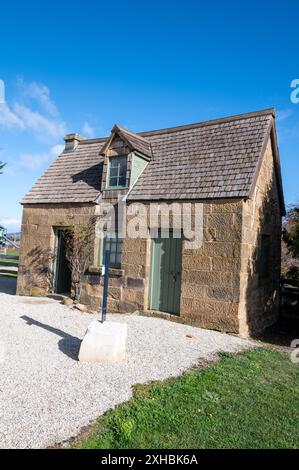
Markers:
12,225
283,114
41,94
43,126
8,118
34,161
56,150
43,120
88,130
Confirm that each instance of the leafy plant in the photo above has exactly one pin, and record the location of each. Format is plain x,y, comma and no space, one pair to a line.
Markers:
78,250
291,231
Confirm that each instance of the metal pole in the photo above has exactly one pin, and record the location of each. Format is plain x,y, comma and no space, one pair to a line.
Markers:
105,291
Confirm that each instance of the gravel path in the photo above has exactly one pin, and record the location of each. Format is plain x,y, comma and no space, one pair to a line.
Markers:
46,396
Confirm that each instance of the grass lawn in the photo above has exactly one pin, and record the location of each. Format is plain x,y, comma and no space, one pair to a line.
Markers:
8,261
8,275
10,252
245,401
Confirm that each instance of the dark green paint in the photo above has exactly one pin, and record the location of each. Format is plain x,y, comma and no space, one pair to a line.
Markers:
165,287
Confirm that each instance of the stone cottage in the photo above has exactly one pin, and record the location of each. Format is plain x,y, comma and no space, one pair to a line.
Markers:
229,167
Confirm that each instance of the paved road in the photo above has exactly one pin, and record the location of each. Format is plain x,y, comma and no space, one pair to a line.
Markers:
8,285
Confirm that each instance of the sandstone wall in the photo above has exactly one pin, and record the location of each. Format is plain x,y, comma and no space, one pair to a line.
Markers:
38,242
210,274
259,295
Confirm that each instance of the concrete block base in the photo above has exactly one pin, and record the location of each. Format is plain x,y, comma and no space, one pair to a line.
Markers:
104,343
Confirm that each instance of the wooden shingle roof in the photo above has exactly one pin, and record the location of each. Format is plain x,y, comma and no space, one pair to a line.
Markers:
209,160
73,177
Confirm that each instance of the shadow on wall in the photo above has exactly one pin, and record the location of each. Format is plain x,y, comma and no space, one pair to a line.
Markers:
69,345
262,295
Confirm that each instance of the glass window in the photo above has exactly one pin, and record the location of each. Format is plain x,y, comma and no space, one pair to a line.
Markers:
112,243
117,172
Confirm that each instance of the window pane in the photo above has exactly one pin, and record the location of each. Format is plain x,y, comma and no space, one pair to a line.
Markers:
113,181
114,162
113,171
123,165
118,170
112,259
122,181
111,243
118,259
119,245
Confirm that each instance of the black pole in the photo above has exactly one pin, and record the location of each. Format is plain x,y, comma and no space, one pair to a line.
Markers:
105,291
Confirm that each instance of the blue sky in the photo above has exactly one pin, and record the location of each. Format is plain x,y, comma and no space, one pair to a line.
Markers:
82,67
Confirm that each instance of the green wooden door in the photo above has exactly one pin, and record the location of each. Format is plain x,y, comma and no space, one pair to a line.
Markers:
165,288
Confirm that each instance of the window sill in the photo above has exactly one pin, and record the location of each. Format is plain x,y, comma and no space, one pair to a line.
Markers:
117,188
94,270
115,272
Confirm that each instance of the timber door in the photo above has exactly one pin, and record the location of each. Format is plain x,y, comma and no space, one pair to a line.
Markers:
62,275
165,284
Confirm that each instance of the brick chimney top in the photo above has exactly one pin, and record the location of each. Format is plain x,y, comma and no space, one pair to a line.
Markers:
71,141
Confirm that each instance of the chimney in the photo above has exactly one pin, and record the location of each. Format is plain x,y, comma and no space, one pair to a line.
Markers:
71,141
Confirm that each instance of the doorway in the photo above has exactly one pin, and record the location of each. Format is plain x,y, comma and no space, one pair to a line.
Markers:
165,283
62,272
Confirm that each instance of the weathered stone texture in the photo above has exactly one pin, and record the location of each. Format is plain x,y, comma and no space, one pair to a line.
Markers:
38,242
259,297
210,274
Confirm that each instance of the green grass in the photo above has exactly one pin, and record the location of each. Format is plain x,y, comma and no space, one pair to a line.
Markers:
8,261
10,252
245,401
8,274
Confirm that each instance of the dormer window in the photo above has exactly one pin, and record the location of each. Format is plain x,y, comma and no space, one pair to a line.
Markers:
117,172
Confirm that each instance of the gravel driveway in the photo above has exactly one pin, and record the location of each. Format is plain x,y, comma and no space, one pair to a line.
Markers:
46,395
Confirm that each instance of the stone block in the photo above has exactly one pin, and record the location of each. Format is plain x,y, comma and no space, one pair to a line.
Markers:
104,343
134,282
192,291
129,295
226,206
201,277
36,291
223,293
197,261
127,307
115,292
222,263
222,316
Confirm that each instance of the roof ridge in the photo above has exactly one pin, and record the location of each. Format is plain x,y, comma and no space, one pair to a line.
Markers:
166,130
235,117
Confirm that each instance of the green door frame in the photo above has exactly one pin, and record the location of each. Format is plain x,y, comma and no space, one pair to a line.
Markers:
165,275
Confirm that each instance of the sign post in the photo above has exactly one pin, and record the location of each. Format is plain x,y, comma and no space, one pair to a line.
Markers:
105,291
104,341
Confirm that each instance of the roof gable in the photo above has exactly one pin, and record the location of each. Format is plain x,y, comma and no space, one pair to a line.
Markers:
133,141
